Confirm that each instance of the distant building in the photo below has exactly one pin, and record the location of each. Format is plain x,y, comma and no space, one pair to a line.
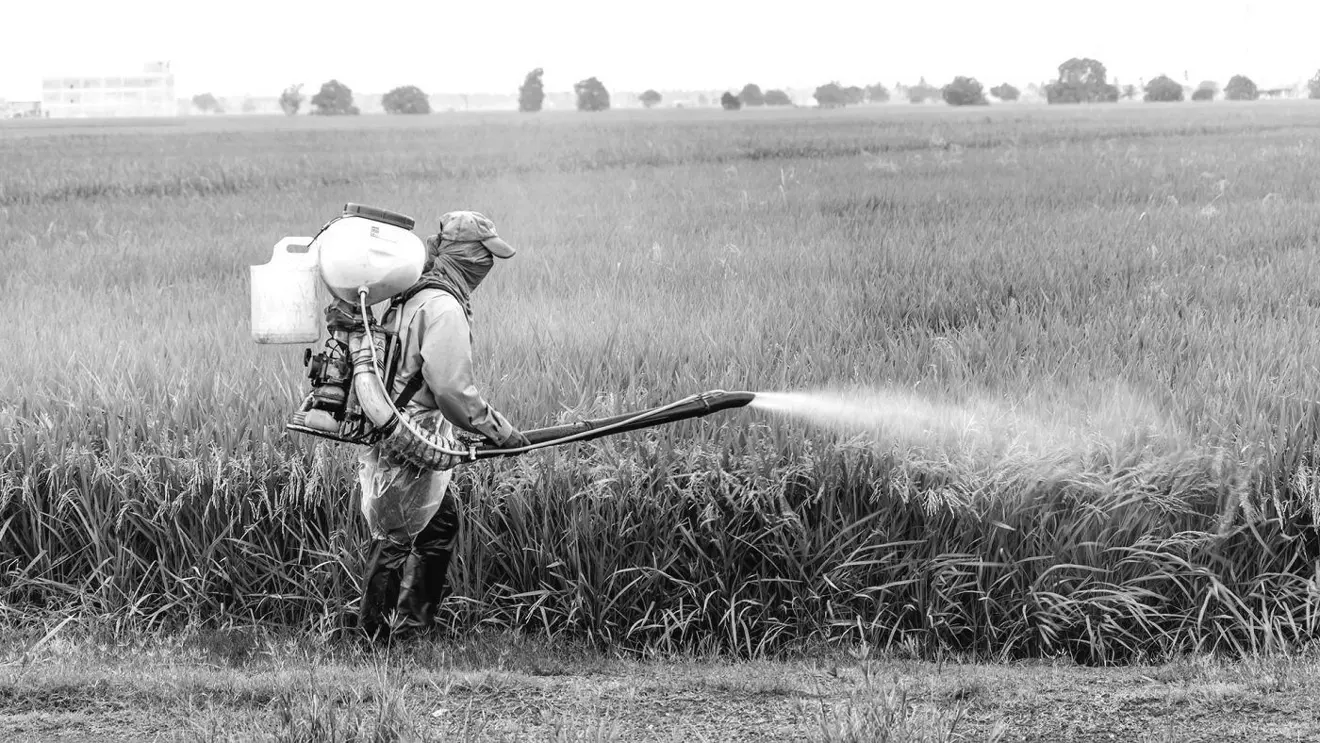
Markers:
1294,91
20,109
150,93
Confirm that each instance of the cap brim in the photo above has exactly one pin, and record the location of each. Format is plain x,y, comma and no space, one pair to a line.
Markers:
498,247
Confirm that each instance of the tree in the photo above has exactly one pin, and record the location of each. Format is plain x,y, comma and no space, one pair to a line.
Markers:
1081,80
334,99
964,91
1005,92
532,93
1206,91
853,95
206,103
1129,91
291,99
777,98
830,95
408,99
249,106
650,98
1163,89
1313,86
877,93
751,95
702,100
1241,88
730,101
592,95
922,92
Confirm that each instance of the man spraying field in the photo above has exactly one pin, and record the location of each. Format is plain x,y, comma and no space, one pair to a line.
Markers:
403,386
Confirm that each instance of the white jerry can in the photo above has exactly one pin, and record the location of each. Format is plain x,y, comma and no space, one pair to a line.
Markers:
286,294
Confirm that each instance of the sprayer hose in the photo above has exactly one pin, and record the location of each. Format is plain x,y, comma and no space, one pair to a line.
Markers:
471,452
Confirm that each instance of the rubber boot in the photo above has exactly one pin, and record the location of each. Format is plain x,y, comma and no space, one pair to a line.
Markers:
381,585
425,574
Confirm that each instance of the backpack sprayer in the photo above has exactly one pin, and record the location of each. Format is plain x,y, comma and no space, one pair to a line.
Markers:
363,258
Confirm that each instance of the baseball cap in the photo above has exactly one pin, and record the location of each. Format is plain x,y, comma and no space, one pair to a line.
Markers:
465,226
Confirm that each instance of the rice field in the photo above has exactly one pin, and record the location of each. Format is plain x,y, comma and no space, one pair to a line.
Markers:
1136,287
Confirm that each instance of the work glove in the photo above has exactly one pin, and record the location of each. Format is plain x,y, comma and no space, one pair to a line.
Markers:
506,435
515,440
512,438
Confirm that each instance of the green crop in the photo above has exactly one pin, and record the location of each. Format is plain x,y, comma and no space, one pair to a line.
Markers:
1053,261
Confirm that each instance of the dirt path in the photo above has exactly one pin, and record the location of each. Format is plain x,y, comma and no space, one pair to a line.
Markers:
179,690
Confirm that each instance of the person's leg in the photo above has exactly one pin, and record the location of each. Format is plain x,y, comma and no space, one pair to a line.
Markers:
426,570
380,579
380,587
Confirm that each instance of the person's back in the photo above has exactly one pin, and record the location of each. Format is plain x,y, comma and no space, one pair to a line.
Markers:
434,370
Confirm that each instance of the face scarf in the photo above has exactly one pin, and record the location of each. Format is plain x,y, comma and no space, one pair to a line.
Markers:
456,267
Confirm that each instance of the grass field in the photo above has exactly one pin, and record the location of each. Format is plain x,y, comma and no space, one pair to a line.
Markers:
258,684
1135,287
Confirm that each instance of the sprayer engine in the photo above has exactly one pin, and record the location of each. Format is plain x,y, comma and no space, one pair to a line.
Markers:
330,411
331,373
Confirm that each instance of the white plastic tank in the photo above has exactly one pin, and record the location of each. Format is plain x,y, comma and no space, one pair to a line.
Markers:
286,298
371,248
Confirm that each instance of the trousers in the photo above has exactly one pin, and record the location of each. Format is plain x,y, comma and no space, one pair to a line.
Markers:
405,584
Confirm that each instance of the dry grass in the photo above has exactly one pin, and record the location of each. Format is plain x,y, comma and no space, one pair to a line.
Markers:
1072,266
258,682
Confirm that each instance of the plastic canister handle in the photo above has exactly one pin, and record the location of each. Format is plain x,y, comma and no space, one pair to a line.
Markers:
283,253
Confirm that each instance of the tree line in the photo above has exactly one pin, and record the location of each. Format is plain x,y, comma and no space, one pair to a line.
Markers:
1085,80
1080,80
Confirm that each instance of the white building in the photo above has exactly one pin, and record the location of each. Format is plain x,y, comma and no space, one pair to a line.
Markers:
19,109
150,93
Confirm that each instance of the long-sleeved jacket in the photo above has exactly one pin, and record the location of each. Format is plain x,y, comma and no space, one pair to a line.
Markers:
435,341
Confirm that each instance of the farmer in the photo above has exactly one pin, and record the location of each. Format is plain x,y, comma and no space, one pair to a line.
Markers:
412,517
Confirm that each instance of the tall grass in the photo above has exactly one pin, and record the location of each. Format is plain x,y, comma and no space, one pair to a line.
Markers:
1052,261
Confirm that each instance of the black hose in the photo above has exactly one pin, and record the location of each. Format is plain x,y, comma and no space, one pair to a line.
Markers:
586,430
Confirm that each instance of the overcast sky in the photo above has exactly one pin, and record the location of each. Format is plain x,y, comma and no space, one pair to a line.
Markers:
257,47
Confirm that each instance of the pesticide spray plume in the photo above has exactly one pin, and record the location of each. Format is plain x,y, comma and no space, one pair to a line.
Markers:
977,429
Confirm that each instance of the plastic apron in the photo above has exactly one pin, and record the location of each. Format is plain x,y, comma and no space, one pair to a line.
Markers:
399,499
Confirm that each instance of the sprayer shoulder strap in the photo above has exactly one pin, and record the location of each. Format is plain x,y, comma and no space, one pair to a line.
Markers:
412,387
394,350
417,381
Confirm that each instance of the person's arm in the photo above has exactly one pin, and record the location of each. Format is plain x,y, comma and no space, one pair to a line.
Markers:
446,348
